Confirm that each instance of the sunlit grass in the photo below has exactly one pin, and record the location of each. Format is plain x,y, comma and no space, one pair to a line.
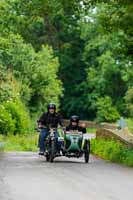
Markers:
19,142
113,151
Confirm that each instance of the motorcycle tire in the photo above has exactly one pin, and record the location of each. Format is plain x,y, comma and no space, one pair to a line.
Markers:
52,151
87,151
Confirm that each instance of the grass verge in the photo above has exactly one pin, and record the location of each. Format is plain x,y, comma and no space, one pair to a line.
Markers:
19,142
113,151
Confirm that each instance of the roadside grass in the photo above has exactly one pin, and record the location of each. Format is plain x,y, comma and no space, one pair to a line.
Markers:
113,151
19,142
2,144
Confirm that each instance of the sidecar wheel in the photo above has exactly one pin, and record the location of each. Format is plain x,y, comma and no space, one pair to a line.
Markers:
87,151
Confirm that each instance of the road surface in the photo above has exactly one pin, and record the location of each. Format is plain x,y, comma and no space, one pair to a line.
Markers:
25,176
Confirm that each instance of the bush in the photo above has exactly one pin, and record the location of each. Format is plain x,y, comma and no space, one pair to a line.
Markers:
128,158
19,115
7,123
106,111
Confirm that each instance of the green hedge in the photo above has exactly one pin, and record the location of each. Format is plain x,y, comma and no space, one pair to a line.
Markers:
106,112
7,124
112,150
14,118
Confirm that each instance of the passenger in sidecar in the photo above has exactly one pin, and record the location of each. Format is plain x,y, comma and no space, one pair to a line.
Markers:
74,125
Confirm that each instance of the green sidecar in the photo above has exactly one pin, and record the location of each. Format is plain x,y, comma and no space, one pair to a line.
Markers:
75,146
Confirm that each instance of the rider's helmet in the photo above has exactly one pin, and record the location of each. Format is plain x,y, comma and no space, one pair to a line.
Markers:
51,106
74,118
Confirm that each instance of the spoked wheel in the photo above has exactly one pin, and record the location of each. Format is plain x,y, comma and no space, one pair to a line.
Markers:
52,151
87,150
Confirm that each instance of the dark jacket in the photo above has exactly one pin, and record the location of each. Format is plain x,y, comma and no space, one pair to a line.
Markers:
51,120
78,128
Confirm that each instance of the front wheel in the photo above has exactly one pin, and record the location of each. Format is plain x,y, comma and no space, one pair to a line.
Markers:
47,158
52,151
87,150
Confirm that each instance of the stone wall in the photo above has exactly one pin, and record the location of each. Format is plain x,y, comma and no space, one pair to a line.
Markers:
119,135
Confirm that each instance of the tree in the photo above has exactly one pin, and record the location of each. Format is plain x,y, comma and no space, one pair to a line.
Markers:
36,72
85,44
106,56
129,101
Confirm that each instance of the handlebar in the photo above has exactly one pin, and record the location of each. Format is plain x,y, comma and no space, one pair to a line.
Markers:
38,129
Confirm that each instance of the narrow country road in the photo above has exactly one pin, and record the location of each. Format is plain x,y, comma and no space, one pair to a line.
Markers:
25,176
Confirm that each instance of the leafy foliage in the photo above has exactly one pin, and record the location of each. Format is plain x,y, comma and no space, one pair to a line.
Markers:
106,111
19,116
72,53
28,78
7,124
106,55
129,101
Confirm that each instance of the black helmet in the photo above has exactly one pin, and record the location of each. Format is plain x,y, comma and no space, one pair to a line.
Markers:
74,118
51,106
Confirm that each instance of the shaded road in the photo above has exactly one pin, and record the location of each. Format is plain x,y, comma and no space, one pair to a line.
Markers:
25,176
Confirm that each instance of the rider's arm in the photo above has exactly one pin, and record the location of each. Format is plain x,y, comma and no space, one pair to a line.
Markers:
67,128
42,119
84,130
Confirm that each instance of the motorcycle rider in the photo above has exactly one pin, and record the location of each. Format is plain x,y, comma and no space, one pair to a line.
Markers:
74,125
49,119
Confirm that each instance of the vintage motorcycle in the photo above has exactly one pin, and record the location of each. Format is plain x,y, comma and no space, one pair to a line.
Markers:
70,144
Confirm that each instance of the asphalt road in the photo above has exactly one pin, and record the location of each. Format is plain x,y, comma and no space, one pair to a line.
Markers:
25,176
